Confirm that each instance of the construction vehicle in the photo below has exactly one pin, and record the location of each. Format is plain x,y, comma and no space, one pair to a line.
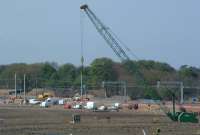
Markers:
44,96
34,101
114,44
182,116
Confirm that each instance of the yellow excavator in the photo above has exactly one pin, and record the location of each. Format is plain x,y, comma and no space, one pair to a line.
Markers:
44,96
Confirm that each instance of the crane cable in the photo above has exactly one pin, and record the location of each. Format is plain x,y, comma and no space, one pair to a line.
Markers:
82,43
82,35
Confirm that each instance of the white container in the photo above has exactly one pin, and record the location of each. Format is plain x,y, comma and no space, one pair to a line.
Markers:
61,102
90,105
116,105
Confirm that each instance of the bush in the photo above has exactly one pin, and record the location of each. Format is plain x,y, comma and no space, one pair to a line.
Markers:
151,93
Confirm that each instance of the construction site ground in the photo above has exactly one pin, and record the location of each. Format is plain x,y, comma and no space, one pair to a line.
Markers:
33,120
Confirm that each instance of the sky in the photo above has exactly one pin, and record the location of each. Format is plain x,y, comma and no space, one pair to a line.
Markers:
49,30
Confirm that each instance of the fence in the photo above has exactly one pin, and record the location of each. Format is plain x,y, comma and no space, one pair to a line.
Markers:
161,90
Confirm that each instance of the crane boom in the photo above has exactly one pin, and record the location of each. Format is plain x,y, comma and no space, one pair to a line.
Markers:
109,37
106,34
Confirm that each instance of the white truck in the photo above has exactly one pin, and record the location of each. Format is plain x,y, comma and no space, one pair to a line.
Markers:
34,101
49,101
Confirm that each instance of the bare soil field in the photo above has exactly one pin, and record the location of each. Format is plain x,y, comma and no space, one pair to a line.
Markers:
27,120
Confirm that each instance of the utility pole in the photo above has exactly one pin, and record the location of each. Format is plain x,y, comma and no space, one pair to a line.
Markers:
182,87
158,84
105,92
24,88
36,87
82,60
15,85
85,91
125,92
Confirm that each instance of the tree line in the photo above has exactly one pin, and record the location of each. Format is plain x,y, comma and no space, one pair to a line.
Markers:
49,74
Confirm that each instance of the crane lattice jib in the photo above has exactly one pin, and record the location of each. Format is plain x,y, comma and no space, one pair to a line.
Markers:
112,42
106,34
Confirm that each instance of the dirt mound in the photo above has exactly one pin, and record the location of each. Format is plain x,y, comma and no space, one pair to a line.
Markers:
97,93
4,92
35,92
